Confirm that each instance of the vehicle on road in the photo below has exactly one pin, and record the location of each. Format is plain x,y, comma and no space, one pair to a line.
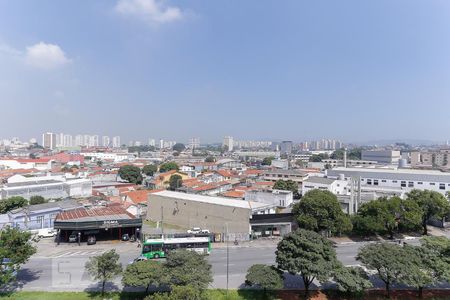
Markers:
72,238
158,248
91,240
46,232
140,258
194,230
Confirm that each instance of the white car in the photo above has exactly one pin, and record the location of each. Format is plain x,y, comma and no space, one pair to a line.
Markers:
194,230
47,232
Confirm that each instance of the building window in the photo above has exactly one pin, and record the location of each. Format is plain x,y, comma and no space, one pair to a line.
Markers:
375,182
369,181
410,184
362,179
40,220
432,183
383,180
394,181
442,186
403,184
420,182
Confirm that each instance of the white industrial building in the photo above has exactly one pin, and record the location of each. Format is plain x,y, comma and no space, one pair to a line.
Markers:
276,198
381,156
400,180
336,186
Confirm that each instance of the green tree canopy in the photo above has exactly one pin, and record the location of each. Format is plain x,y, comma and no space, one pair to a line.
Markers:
188,268
210,159
387,259
168,166
321,212
351,279
37,200
180,292
265,277
175,182
386,216
145,274
131,174
104,267
149,170
432,204
308,254
287,185
15,245
179,147
318,157
267,161
12,203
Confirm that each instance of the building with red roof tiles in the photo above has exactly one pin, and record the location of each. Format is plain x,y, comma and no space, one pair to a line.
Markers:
234,194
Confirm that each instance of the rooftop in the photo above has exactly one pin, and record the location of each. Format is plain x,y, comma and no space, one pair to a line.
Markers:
212,200
322,180
94,214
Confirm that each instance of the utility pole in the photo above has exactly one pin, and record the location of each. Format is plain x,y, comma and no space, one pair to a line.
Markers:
228,255
162,221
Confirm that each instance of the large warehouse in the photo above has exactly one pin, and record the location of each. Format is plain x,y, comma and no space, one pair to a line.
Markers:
206,212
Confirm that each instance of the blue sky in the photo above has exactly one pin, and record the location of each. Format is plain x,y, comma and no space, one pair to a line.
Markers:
353,70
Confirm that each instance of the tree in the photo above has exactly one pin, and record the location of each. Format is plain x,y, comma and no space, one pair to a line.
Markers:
432,204
210,159
175,181
188,268
149,170
387,215
145,273
179,147
315,158
12,203
265,277
267,161
387,259
424,268
287,185
307,254
351,279
15,246
168,166
131,174
320,211
37,200
104,267
180,292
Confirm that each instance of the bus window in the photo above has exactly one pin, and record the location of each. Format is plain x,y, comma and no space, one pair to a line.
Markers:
146,249
156,247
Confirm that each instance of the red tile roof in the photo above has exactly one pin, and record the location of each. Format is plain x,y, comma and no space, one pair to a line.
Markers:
140,196
234,194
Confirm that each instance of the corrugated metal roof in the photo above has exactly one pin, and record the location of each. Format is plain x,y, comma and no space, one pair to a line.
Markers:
95,214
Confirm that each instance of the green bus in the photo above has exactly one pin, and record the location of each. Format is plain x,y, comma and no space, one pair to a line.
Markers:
158,248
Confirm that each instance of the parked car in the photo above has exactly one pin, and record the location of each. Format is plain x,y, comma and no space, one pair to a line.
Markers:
140,258
194,230
47,232
72,238
92,240
204,231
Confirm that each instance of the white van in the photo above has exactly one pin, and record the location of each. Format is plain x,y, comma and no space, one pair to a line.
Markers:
46,232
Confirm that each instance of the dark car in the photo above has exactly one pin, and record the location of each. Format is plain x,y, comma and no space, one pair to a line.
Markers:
92,240
72,238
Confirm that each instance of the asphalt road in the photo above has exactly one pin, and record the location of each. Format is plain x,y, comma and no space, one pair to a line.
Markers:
64,270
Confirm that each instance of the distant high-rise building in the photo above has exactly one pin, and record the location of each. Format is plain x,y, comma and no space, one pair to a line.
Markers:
194,143
228,143
286,147
49,140
116,142
67,140
161,144
137,143
78,140
105,141
152,142
33,141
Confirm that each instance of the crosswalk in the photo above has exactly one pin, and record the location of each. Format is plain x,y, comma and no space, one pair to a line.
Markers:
78,253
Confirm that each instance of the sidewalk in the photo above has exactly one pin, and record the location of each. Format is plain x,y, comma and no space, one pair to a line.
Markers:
262,243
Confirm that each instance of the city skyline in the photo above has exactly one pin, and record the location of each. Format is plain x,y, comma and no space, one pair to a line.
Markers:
183,69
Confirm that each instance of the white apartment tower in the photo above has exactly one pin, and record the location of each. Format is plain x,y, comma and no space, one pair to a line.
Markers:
49,140
116,142
228,143
105,141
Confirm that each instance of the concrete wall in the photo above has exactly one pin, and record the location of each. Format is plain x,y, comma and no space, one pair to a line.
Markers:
188,214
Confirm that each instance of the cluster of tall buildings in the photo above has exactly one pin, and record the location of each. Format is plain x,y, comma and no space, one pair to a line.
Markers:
252,144
323,144
52,140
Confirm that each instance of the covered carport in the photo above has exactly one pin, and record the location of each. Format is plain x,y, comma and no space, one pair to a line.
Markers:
267,225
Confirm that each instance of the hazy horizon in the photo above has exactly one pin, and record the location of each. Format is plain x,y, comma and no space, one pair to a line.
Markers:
256,70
